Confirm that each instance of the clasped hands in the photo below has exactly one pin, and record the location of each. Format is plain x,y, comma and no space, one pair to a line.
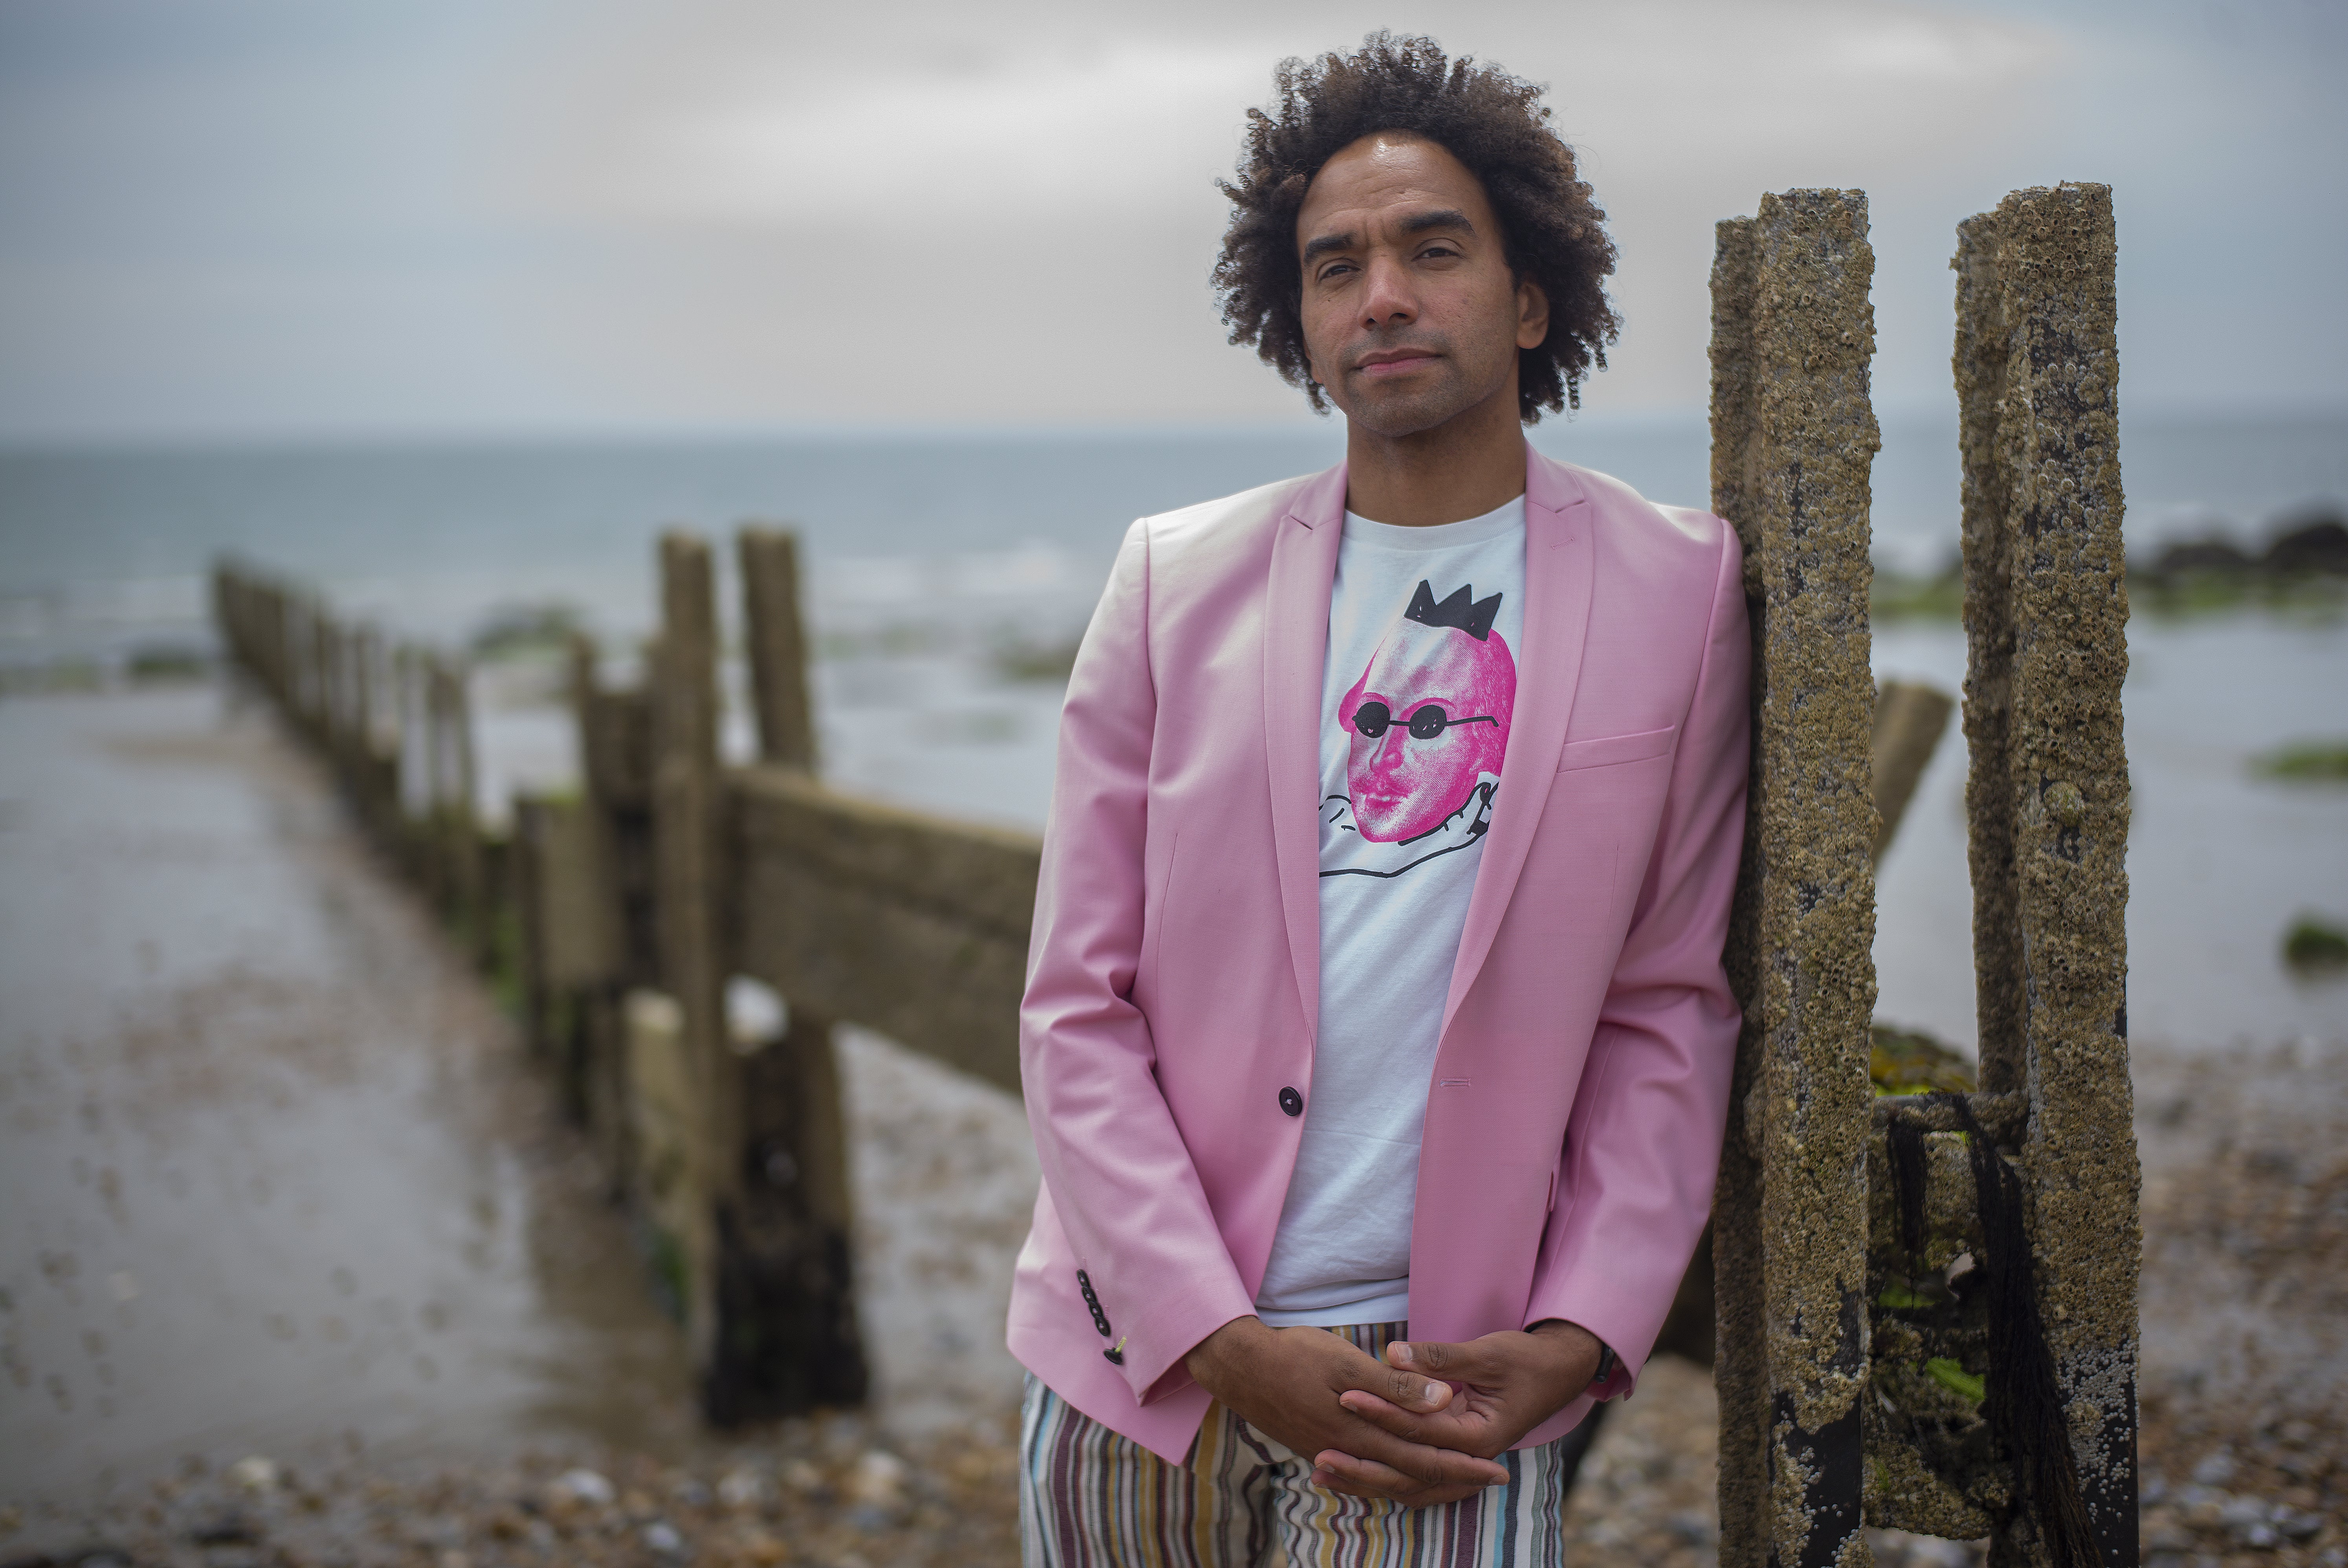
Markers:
1396,1427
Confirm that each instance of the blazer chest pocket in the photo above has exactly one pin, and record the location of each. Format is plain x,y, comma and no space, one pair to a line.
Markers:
1611,751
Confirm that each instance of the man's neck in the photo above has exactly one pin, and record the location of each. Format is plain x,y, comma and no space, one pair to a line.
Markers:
1463,468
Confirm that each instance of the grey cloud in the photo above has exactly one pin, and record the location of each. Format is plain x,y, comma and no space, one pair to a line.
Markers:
270,219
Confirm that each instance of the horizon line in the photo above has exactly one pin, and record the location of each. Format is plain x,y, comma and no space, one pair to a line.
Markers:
717,433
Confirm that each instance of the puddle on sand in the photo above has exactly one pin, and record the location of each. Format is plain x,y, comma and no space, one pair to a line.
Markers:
280,1181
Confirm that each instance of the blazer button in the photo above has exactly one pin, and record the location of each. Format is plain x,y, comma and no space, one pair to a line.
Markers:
1292,1102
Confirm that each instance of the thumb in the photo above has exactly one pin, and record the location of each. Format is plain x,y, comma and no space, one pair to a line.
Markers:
1433,1358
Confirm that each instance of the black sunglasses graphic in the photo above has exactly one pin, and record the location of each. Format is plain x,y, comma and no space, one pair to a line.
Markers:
1374,718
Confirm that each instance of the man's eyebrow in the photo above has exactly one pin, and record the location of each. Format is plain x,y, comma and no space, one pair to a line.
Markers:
1416,223
1322,244
1447,218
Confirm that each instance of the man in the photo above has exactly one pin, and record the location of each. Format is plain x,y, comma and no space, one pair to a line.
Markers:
1375,1041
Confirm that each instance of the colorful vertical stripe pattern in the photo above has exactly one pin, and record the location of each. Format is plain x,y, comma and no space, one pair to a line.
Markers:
1089,1498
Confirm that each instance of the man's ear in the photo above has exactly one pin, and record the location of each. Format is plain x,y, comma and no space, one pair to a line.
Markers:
1532,314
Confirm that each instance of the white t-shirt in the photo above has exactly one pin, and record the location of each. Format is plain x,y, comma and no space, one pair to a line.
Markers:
1416,701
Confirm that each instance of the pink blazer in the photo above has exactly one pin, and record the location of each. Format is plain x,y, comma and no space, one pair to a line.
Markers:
1575,1111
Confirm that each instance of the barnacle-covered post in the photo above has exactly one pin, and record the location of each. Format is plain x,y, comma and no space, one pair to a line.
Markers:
1794,435
2046,616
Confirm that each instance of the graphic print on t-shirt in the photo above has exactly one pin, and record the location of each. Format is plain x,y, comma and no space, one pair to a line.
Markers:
1428,725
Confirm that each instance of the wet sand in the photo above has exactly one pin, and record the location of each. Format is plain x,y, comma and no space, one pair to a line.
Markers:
281,1186
280,1180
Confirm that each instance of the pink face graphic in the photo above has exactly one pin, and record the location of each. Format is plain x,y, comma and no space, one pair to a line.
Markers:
1428,719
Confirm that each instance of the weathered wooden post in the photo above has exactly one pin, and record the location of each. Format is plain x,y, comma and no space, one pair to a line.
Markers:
620,947
456,836
378,721
415,770
476,894
297,656
357,741
228,613
777,639
788,1338
1909,719
273,633
686,805
296,651
1794,435
331,652
289,645
345,727
318,680
2047,615
303,648
432,707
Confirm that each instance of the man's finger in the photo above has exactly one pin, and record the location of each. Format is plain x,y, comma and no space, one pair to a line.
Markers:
1375,1482
1456,1430
1451,1470
1433,1358
1411,1390
1364,1477
1424,1464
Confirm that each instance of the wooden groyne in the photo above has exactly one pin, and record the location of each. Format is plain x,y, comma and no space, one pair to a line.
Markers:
1926,1312
619,913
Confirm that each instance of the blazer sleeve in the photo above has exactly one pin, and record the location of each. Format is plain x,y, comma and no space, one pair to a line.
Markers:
1120,1177
1642,1142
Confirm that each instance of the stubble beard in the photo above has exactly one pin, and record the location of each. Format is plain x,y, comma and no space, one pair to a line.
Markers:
1396,414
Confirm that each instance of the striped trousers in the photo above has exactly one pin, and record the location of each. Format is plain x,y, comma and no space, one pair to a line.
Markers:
1089,1498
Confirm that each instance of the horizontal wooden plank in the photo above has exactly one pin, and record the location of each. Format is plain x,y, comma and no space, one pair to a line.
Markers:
979,877
906,923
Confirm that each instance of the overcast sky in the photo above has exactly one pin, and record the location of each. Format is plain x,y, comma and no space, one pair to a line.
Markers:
264,219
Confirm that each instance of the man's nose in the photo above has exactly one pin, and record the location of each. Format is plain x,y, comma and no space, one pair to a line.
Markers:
1388,302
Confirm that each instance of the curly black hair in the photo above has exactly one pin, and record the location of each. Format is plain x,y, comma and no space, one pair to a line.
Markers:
1493,123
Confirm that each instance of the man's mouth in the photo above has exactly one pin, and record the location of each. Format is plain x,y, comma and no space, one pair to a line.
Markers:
1392,362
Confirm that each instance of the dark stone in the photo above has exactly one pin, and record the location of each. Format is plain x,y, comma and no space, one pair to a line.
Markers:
2203,555
231,1528
2321,546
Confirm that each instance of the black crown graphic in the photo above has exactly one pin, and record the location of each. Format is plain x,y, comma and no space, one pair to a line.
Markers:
1473,617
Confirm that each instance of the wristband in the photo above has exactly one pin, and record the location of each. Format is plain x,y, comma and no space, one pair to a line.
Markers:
1606,1364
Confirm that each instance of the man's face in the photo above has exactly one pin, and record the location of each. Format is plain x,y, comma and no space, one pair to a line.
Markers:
1411,313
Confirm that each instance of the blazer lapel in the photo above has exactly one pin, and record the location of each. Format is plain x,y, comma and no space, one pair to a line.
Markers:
1295,645
1560,555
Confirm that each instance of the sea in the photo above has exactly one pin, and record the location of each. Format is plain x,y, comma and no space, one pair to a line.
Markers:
945,568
